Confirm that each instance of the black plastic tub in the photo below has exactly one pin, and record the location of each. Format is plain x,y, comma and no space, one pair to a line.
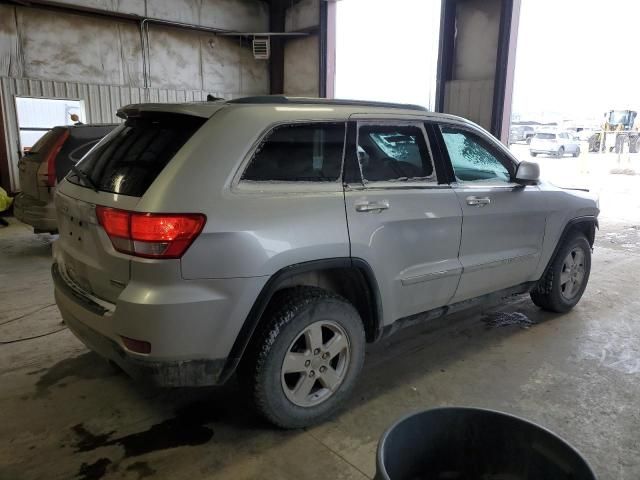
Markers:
459,443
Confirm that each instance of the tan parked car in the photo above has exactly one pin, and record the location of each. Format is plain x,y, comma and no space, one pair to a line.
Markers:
45,164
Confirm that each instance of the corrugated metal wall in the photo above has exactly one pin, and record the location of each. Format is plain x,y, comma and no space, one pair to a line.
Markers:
67,55
101,103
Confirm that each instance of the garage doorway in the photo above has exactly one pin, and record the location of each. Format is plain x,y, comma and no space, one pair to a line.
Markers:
36,116
575,80
387,51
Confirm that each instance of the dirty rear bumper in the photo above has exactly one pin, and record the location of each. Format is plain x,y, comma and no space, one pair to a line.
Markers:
187,373
163,373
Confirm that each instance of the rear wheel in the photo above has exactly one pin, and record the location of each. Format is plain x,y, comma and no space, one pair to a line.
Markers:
577,152
560,152
305,361
566,278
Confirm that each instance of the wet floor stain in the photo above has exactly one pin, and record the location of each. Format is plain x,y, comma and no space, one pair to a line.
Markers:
93,471
505,319
142,469
186,428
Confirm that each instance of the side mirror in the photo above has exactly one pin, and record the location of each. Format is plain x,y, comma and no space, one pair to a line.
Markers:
528,173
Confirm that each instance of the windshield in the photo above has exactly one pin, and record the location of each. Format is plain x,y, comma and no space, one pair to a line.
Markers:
619,116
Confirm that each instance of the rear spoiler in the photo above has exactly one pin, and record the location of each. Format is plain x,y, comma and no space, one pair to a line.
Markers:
202,110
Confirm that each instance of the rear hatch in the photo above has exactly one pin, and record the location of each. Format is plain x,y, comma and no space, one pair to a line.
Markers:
544,141
115,173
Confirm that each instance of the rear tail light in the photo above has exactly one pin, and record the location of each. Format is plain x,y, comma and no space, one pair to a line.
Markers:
50,159
150,235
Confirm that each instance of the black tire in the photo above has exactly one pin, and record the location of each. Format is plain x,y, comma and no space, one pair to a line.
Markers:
289,315
560,152
576,153
533,154
550,294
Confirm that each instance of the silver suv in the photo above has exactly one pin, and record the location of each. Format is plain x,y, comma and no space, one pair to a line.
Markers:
275,236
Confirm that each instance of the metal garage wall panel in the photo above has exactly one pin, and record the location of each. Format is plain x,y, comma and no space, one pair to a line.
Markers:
100,102
471,99
303,14
301,67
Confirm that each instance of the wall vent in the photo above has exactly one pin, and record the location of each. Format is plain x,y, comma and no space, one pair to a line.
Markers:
261,48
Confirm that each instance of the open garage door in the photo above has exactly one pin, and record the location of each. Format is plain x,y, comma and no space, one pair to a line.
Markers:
387,51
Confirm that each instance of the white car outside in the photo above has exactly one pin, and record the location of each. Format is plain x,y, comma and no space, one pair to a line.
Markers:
557,144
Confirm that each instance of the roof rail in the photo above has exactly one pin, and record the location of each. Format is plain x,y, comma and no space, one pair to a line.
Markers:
282,99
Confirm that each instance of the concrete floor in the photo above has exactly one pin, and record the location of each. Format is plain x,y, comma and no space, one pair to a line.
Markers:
65,414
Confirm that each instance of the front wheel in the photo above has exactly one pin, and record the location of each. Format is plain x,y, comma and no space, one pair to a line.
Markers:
304,362
560,152
566,278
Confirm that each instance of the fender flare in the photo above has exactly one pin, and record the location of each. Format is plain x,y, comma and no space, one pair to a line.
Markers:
565,233
264,297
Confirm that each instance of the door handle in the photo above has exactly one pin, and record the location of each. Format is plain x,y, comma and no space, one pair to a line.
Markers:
372,206
478,201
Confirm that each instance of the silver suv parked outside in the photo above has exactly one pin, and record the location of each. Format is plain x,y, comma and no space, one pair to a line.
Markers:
275,236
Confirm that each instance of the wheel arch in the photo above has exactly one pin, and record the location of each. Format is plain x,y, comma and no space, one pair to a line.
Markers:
586,225
353,278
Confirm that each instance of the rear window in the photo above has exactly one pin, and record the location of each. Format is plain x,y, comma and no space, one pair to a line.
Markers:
129,159
81,140
546,136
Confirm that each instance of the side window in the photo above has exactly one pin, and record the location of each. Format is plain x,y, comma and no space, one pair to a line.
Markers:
472,158
297,153
397,152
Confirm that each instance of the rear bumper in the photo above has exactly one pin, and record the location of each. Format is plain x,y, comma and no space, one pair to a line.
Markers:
178,334
160,373
40,215
544,151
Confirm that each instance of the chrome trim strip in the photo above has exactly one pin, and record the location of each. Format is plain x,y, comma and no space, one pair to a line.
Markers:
426,277
499,263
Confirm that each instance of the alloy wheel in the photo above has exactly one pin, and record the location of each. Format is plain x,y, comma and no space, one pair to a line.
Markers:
572,273
316,363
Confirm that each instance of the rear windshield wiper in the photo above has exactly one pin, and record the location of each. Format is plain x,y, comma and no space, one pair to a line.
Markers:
85,178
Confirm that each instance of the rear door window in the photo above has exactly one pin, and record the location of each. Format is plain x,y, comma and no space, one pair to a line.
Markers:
310,152
129,159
